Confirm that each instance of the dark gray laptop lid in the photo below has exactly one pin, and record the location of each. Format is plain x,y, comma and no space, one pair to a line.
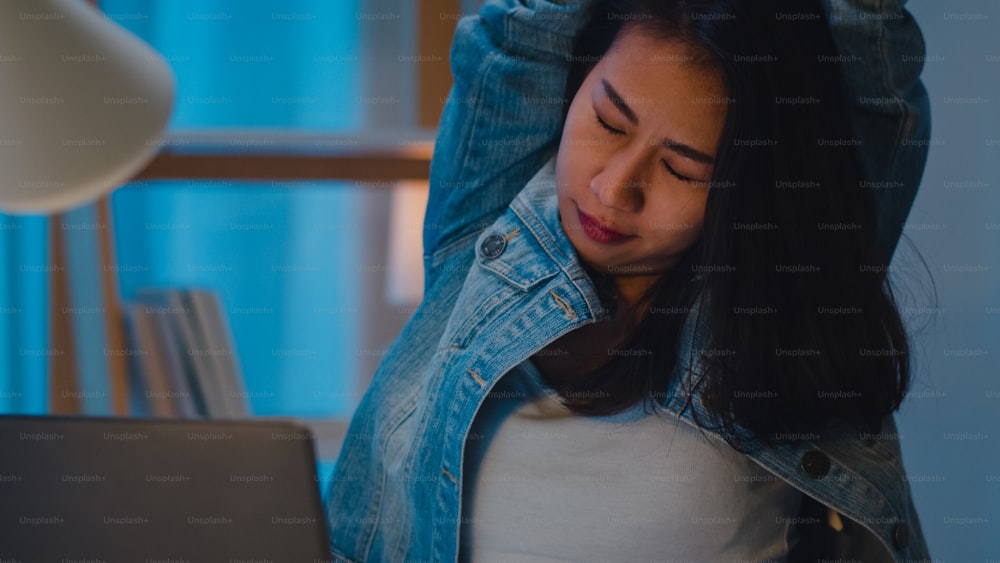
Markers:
125,490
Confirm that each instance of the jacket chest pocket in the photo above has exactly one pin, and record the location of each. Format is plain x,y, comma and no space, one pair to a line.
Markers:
510,251
509,264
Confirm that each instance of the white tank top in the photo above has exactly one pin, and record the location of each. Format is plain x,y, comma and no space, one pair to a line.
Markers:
541,484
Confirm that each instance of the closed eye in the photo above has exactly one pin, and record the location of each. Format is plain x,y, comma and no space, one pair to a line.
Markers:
675,174
604,125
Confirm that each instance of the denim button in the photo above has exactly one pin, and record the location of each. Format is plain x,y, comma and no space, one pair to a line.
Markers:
901,535
815,463
493,246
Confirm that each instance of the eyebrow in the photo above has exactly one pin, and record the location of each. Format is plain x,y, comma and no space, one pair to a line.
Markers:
680,148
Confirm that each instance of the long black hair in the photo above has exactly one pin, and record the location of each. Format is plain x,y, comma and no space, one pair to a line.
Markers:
803,327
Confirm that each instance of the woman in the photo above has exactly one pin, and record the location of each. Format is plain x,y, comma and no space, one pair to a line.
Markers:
655,322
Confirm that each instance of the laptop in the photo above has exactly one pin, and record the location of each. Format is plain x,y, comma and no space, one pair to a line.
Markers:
128,490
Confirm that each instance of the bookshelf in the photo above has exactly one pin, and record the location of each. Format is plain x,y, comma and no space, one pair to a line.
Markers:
377,159
371,160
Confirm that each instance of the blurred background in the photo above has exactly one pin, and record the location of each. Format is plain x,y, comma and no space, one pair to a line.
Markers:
316,276
950,423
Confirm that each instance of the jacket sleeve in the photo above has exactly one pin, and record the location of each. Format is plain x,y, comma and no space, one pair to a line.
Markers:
882,53
503,116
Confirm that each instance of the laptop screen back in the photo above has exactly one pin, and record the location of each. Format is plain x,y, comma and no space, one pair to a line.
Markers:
158,490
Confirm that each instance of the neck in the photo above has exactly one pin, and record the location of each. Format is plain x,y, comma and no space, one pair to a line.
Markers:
630,292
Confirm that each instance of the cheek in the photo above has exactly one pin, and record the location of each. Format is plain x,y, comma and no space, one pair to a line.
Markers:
579,134
567,144
697,222
579,150
568,161
677,223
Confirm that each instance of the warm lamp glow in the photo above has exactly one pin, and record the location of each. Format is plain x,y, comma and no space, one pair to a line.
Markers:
405,273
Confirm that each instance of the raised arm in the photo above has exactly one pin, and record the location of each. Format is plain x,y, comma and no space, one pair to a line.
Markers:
503,116
883,53
502,120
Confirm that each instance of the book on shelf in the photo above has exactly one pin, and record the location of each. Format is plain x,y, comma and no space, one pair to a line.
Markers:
188,366
220,350
153,363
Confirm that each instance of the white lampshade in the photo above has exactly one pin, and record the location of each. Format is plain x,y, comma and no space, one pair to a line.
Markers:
83,104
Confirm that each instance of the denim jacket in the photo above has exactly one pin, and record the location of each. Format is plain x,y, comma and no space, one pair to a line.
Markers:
502,281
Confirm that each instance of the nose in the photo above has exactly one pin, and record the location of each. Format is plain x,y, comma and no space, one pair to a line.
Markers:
619,182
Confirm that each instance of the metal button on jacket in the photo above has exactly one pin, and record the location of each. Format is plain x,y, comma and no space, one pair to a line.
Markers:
815,463
901,535
493,246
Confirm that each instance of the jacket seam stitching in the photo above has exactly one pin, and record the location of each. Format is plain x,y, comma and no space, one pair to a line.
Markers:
408,412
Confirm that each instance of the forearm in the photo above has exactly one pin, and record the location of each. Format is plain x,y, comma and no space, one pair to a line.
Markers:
503,117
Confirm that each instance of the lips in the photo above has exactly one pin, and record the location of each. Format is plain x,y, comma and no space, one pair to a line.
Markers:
598,232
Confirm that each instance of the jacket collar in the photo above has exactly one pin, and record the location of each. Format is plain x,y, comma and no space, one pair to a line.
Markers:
537,207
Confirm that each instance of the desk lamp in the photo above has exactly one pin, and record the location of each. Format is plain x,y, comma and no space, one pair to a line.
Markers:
83,104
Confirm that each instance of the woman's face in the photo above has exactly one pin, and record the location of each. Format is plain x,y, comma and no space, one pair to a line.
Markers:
636,156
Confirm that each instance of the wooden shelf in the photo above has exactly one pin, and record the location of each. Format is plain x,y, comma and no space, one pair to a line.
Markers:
275,155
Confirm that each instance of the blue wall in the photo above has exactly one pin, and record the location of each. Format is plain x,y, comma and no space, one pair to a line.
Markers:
950,424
